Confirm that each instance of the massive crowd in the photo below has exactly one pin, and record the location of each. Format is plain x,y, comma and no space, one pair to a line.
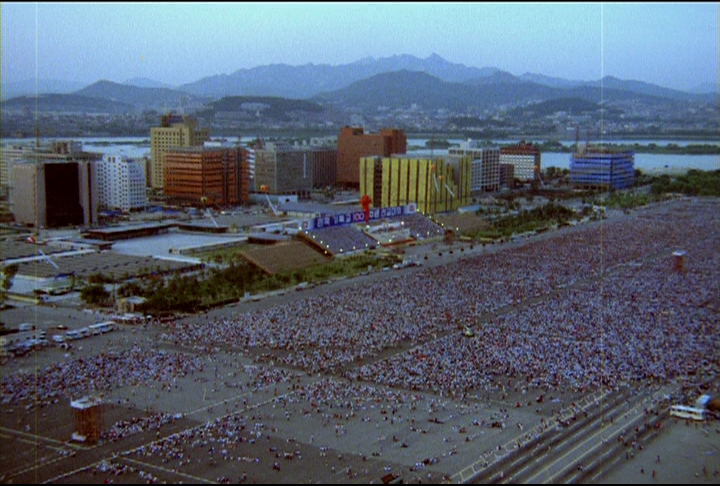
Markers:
599,306
76,378
594,308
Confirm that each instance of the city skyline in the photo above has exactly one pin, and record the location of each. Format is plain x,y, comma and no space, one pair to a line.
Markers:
671,45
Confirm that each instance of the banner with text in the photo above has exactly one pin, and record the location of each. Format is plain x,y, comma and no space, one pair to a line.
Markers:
344,219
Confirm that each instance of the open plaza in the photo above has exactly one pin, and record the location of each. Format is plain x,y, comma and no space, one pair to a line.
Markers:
437,373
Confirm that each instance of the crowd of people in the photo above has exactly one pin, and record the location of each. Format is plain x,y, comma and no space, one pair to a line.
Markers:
247,441
79,377
594,308
137,425
577,310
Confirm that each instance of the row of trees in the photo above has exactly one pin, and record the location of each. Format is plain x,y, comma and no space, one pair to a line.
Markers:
214,286
694,183
523,221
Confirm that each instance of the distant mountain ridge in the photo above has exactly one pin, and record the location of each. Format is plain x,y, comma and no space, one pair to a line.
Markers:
308,80
30,87
402,89
65,103
140,98
400,80
147,83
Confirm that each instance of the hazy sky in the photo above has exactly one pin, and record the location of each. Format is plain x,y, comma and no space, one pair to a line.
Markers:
673,45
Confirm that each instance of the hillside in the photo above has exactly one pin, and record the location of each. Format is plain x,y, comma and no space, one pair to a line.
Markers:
139,97
403,89
64,103
571,106
259,106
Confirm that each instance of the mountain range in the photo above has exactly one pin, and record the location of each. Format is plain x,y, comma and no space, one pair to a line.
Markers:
396,81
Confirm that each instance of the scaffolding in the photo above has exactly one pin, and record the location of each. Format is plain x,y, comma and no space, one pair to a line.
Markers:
88,419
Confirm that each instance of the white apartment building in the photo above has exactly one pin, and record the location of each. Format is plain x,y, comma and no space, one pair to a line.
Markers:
485,167
525,157
121,183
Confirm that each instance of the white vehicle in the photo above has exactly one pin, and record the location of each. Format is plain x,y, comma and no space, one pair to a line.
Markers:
102,327
685,412
83,332
26,326
58,338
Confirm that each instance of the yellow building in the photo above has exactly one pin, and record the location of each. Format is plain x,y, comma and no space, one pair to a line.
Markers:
174,131
435,184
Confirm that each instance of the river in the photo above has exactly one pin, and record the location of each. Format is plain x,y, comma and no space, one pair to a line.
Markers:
136,147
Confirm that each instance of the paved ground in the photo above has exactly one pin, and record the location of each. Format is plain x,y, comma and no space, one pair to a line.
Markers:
235,420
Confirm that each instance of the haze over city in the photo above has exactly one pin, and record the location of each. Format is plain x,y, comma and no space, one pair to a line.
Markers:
673,45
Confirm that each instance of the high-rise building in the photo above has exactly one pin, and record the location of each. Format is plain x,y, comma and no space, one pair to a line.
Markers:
602,168
51,194
281,169
57,150
353,144
436,184
485,165
121,183
209,175
174,131
324,161
525,157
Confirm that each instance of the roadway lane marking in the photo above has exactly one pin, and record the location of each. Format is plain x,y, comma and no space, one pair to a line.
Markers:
195,479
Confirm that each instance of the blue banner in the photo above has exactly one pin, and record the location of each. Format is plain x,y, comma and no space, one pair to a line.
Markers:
344,219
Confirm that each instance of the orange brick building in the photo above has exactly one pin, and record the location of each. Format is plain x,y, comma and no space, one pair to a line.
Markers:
219,174
354,144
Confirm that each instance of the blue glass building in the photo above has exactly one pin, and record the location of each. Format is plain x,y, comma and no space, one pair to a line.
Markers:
614,170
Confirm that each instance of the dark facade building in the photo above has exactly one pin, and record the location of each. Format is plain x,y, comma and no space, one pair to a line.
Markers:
507,176
53,194
324,161
354,144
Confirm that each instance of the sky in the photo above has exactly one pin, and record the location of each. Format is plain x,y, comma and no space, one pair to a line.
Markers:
673,45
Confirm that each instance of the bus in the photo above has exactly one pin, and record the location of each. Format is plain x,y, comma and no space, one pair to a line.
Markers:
83,332
101,327
685,412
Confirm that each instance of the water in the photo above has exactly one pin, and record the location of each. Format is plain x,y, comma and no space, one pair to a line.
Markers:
136,147
660,143
648,163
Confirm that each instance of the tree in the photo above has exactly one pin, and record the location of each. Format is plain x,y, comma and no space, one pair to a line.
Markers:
7,275
95,294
